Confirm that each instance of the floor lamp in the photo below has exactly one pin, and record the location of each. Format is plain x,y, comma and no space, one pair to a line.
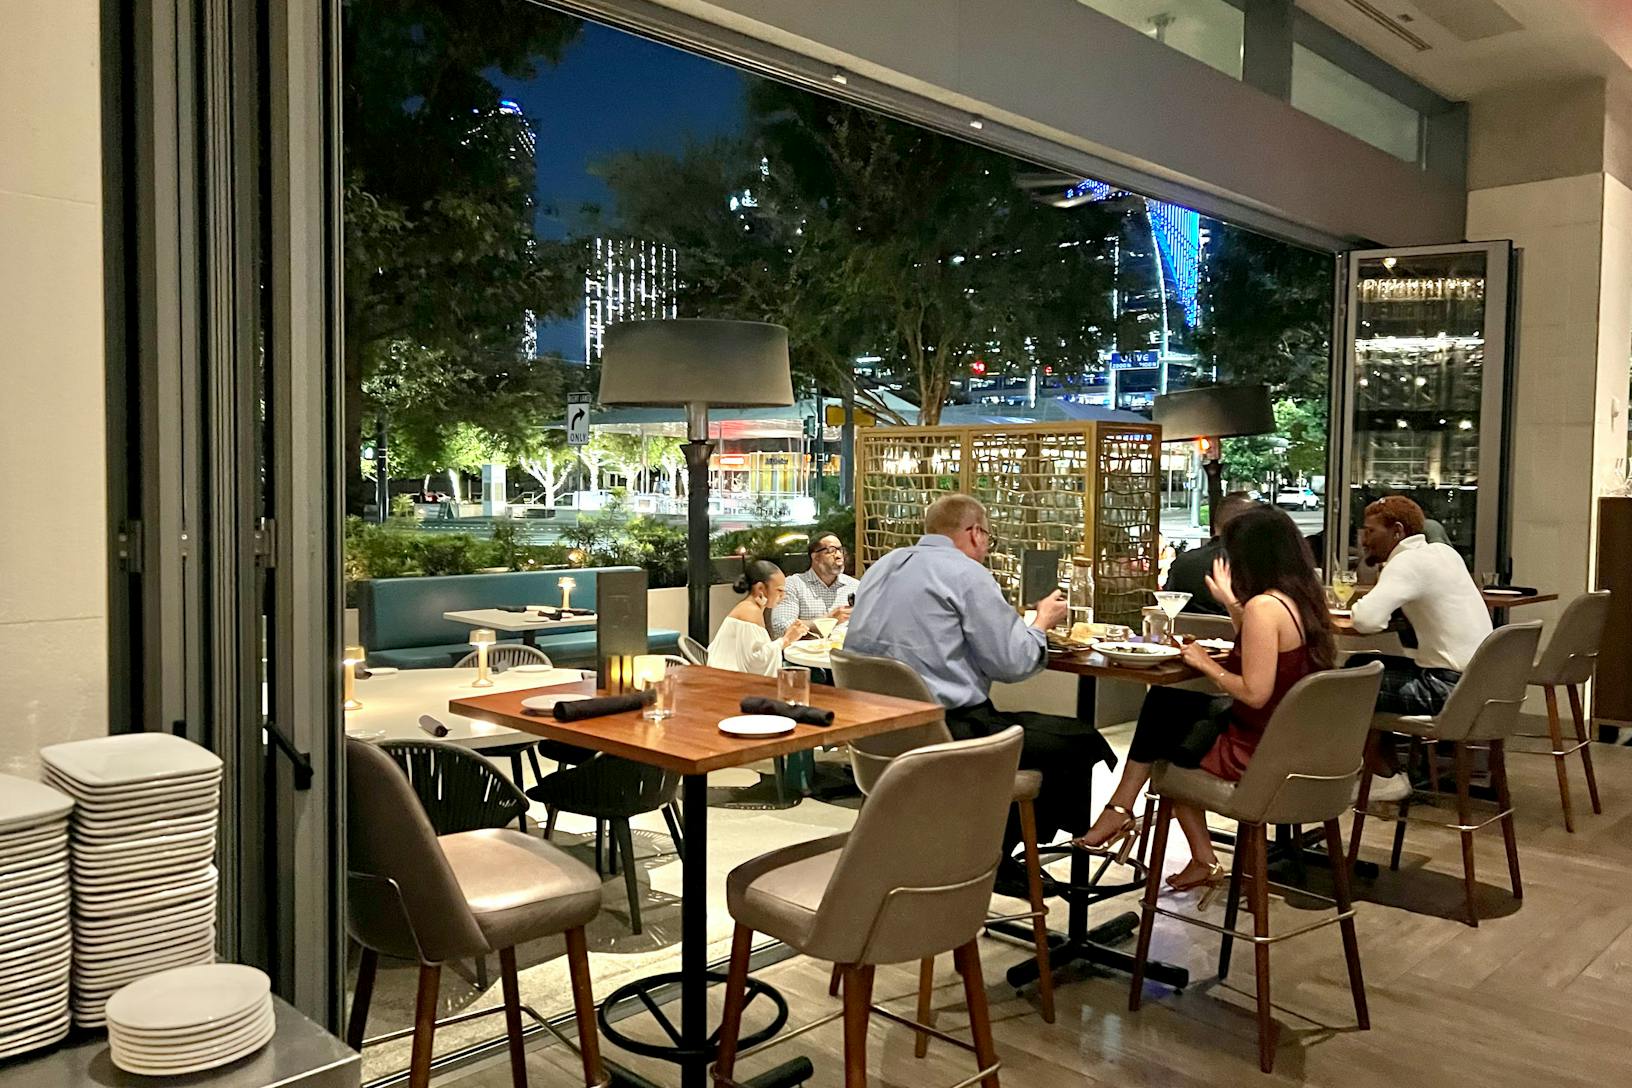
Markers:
1208,415
699,364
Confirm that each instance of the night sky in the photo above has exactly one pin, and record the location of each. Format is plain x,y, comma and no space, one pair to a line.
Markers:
615,92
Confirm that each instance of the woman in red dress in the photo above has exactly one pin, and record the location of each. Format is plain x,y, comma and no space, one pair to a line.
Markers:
1266,579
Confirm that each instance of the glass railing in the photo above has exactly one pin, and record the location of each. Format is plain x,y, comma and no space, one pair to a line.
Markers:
1208,30
1343,100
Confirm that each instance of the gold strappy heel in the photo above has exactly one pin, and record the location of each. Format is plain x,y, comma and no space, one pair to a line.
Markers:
1121,841
1214,882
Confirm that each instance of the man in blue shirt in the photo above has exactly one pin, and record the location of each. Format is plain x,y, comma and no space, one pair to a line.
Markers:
935,606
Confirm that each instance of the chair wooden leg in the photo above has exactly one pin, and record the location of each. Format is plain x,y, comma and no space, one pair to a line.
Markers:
550,813
1147,912
1351,942
583,1004
1464,814
1580,717
1556,733
1260,951
419,1067
834,981
512,1017
736,987
926,1005
858,1000
1232,909
631,883
356,1027
967,959
1432,748
1039,924
1361,800
1400,817
676,836
1504,801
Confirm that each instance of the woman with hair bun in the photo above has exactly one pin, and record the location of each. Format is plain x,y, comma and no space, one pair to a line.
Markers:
744,643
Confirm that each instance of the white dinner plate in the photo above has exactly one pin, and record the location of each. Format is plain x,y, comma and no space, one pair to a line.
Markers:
1137,655
20,914
27,836
32,851
25,803
127,759
109,817
534,667
1502,591
46,1005
134,1063
145,865
167,1046
23,985
757,725
196,914
382,670
91,849
547,703
141,794
93,989
28,895
41,930
46,1035
39,871
190,997
143,897
131,879
155,942
143,830
1342,613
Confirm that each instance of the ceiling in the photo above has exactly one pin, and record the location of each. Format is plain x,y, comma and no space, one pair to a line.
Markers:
1463,48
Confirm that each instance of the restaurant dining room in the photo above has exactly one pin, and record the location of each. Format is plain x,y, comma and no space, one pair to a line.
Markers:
645,544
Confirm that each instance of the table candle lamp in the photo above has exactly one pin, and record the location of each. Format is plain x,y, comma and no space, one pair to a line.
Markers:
567,586
649,667
482,638
354,656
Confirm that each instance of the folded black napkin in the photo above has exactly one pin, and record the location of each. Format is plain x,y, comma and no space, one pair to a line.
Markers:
512,608
804,715
578,709
577,611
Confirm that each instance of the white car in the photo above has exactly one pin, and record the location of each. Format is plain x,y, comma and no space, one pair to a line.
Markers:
1297,498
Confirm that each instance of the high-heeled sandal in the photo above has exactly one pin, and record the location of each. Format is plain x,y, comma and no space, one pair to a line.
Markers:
1216,878
1120,843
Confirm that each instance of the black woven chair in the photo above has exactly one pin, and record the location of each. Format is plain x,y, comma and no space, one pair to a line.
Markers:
612,789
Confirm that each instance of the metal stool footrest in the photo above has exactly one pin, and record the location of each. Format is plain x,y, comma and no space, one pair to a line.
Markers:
674,1051
1095,890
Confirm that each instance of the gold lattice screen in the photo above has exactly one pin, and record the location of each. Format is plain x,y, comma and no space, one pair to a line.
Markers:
1084,488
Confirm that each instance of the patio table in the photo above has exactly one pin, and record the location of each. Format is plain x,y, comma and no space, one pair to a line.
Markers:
691,744
527,624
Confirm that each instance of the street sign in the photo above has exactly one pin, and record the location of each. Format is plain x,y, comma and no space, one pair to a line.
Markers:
577,419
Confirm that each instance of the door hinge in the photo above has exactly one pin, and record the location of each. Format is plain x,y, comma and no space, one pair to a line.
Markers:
266,543
128,546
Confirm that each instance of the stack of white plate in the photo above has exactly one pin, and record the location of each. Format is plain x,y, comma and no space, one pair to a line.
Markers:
143,840
34,935
190,1019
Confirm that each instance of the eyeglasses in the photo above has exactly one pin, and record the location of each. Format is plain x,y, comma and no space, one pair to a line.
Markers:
982,529
833,550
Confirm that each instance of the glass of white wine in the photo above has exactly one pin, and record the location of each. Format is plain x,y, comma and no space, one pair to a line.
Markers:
1343,587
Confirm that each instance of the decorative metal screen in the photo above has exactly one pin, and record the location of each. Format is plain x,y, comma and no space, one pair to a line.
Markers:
1043,485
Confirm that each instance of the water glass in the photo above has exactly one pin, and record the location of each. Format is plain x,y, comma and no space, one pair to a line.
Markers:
664,691
793,685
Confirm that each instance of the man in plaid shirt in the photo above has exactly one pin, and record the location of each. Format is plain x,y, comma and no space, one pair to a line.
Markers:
823,590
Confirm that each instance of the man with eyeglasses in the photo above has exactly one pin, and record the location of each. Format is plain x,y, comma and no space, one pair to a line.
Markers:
935,607
820,592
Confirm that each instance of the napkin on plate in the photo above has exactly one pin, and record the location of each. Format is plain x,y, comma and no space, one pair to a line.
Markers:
805,715
577,709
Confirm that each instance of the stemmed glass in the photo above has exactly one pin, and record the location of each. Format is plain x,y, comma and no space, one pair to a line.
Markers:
1171,602
1343,583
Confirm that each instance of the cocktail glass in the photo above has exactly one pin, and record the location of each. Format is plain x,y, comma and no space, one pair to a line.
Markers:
1343,583
1171,602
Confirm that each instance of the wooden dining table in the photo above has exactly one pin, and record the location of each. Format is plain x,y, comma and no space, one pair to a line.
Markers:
691,744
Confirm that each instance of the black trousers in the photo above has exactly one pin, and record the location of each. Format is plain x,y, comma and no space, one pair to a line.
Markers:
1064,749
1178,727
1408,688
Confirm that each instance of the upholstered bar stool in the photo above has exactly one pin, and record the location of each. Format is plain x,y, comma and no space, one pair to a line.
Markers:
1482,712
417,896
1302,773
1568,662
869,758
910,881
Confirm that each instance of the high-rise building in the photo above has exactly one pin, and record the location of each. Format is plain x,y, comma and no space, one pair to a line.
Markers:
627,279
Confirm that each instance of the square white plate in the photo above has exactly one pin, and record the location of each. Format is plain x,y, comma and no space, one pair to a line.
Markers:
25,803
125,759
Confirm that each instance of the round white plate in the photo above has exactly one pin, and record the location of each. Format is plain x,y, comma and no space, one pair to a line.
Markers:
367,736
547,703
32,851
381,670
812,655
46,1005
1342,612
757,725
132,1063
25,803
190,997
125,759
50,1033
196,1035
1137,655
22,986
531,668
27,836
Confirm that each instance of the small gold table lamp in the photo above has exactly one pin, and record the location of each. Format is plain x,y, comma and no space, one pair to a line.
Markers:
648,668
567,586
482,638
354,656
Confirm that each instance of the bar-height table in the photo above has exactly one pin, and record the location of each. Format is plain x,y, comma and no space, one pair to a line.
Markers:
691,744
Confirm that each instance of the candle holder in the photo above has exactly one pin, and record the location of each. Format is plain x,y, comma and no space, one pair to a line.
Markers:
567,586
354,656
648,669
482,638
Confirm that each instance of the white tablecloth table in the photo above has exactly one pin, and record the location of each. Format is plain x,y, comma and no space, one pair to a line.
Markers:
393,703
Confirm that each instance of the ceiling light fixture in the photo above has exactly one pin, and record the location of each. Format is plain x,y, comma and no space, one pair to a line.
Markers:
840,77
976,123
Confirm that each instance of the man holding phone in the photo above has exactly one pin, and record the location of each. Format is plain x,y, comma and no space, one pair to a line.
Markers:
935,607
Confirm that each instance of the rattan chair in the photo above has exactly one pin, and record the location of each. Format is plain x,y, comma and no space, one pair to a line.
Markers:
693,651
1481,713
458,789
1303,772
872,756
505,655
1568,662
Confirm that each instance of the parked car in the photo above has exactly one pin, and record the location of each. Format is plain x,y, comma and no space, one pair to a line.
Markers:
1297,498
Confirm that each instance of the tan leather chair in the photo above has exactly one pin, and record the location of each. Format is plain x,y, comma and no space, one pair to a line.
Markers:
911,880
1302,773
1569,661
1482,712
1204,625
870,757
414,895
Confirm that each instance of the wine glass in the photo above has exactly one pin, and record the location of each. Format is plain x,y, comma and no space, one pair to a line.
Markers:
1343,583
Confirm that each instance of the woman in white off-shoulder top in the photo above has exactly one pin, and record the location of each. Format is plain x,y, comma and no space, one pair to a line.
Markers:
743,644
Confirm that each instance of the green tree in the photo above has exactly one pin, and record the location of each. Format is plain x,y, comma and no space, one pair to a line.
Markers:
442,263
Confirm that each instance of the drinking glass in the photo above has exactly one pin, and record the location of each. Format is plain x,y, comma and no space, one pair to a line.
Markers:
1343,587
664,689
793,685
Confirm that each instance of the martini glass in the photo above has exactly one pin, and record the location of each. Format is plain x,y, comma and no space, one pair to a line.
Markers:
1171,602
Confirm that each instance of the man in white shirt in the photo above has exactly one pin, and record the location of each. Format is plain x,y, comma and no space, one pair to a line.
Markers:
822,591
1430,585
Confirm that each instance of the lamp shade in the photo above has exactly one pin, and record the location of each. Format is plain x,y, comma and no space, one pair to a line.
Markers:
726,364
1214,411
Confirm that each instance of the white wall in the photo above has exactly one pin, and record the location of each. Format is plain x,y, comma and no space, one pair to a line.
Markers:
53,535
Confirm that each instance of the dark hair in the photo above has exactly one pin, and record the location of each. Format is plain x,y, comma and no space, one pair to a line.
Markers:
815,544
755,571
1230,507
1267,552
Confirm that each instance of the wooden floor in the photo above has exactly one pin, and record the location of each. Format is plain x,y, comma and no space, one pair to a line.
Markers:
1539,994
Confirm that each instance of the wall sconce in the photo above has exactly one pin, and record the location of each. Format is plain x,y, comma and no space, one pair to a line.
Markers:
482,638
648,668
567,586
354,656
